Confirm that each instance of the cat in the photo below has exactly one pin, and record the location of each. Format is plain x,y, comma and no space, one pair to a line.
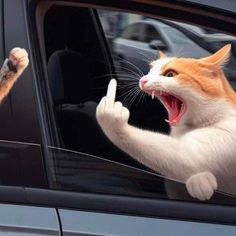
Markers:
12,68
200,150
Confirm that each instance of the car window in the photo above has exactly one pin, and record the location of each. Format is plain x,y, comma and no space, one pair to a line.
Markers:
81,172
21,164
79,68
87,173
176,36
132,32
151,33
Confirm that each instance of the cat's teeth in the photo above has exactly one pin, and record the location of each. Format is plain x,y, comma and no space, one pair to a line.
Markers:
153,94
167,121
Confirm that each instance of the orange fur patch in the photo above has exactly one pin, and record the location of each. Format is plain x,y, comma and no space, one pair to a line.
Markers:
208,81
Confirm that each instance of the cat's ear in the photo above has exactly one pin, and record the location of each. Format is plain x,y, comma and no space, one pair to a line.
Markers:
162,55
219,58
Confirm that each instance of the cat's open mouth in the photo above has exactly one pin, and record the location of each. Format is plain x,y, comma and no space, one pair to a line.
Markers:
173,104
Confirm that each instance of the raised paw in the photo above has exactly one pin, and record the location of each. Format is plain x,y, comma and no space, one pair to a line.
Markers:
202,185
19,58
112,116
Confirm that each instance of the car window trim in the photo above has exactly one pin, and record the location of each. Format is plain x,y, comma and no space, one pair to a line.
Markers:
158,208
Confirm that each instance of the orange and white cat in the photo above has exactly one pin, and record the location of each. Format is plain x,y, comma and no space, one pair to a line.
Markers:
12,69
201,148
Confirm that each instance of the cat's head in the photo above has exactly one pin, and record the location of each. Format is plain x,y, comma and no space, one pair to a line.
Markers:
184,84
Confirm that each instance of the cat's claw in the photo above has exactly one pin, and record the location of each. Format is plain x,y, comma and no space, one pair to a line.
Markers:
202,185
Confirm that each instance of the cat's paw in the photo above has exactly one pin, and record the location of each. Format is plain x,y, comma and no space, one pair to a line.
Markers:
19,58
112,116
202,185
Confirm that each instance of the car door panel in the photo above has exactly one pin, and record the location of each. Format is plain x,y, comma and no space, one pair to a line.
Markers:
27,220
90,223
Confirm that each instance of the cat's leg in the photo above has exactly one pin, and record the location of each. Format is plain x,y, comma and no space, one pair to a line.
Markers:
166,155
12,69
202,185
150,148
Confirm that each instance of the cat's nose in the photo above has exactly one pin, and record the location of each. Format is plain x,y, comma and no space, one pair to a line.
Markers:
143,81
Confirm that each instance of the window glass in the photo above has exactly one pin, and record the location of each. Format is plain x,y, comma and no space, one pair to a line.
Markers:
177,36
151,33
86,173
76,171
79,70
132,32
21,164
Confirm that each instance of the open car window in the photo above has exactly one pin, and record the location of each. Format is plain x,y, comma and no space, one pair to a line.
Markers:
79,68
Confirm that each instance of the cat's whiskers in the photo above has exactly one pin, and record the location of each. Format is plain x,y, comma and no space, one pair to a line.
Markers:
136,95
125,69
130,97
124,86
115,74
128,77
124,81
148,58
141,97
133,94
133,66
135,70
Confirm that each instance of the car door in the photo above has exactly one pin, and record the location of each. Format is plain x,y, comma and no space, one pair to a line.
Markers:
21,163
91,223
97,188
20,169
114,199
28,220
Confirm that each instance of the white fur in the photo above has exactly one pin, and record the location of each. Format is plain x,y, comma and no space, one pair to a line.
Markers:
158,65
201,149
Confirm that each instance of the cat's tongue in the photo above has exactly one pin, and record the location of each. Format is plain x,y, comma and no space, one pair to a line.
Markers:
174,111
174,106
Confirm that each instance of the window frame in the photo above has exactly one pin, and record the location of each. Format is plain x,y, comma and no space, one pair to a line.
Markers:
202,212
16,125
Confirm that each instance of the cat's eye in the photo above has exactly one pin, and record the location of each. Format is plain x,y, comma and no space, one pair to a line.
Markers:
170,73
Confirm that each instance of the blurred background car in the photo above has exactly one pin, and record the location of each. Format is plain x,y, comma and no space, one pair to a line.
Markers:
140,42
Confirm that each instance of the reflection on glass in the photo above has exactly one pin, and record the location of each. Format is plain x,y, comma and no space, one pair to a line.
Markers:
86,173
21,164
80,172
76,171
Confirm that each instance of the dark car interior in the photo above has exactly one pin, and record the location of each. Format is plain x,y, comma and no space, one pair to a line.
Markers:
79,69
